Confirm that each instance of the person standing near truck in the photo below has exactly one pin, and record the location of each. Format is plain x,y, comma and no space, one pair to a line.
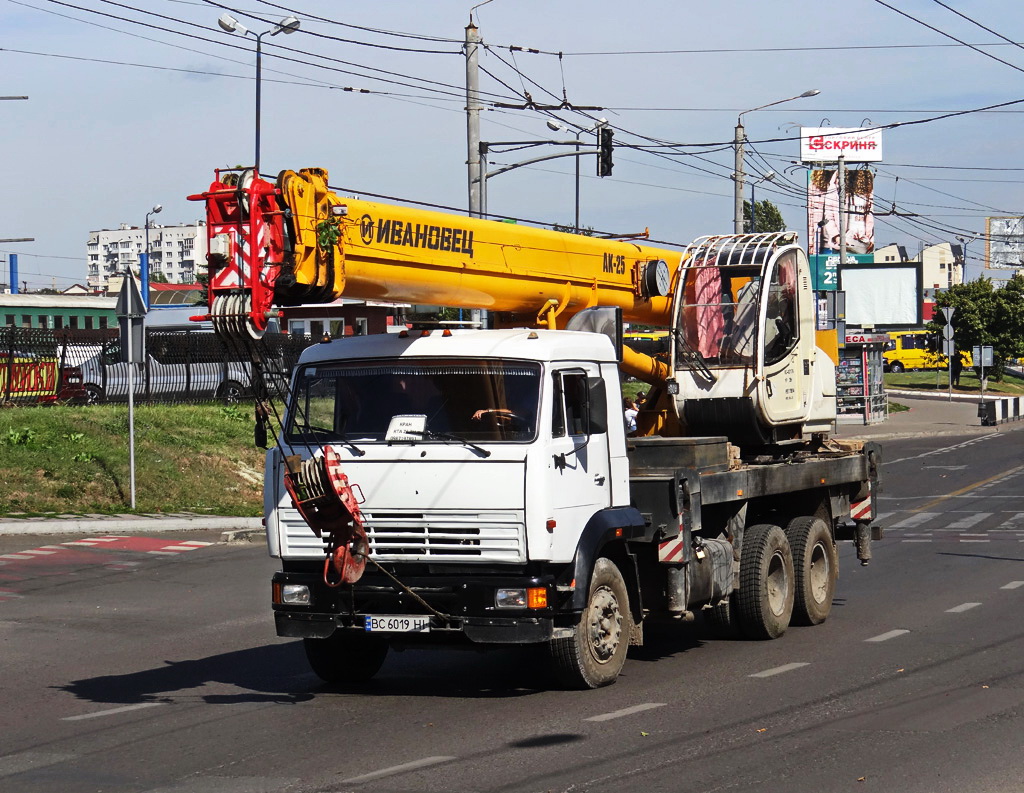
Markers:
956,367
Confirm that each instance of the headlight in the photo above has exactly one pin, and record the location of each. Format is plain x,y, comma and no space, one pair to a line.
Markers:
295,594
536,597
510,598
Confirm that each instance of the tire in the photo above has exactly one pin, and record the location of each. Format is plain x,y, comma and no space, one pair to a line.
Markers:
596,652
93,394
816,565
232,392
720,620
767,583
346,657
896,367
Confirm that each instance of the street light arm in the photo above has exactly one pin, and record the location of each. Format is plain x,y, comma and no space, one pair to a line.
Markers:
538,159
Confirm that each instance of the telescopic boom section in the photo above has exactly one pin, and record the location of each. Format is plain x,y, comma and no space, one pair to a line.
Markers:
298,242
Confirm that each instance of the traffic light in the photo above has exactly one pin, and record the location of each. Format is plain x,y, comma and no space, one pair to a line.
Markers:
604,151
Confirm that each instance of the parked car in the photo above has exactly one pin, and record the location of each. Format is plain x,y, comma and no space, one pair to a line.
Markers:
177,366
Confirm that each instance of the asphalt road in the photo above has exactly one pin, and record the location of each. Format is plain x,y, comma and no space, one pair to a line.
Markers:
150,664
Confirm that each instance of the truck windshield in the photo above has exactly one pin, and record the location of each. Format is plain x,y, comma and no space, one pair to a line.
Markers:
487,400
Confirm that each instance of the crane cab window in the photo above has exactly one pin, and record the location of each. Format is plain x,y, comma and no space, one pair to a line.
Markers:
781,330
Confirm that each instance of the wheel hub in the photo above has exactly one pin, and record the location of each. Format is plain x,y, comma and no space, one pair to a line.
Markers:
605,624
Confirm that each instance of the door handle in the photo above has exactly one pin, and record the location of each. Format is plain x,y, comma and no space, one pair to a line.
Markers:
768,387
598,479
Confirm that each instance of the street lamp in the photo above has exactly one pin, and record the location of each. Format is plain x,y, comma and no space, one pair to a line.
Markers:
144,269
964,241
554,126
737,215
753,204
231,25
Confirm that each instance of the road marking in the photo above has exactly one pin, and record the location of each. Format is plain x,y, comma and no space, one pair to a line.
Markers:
884,637
196,543
15,556
970,487
112,711
962,607
778,670
400,769
1013,585
26,761
970,442
963,540
39,552
915,520
969,520
618,714
915,540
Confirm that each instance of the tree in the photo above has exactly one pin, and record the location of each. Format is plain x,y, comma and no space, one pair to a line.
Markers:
987,315
768,217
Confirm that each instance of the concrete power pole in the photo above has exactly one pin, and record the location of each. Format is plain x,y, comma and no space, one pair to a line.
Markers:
737,209
473,119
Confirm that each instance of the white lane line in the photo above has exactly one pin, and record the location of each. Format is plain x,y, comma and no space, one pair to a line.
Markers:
39,552
884,637
914,520
963,540
15,556
112,711
928,540
1013,585
970,520
26,761
618,714
778,670
962,607
401,769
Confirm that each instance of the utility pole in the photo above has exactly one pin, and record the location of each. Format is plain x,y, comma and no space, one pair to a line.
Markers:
473,118
842,211
737,206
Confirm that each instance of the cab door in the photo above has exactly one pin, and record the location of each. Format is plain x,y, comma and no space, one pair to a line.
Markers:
578,482
786,351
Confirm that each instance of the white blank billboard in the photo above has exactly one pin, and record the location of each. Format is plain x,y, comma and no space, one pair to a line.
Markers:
879,296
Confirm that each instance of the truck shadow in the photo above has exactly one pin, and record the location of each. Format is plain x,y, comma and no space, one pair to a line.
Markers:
279,673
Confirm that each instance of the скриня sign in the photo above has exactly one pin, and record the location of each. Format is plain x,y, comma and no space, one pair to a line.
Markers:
826,144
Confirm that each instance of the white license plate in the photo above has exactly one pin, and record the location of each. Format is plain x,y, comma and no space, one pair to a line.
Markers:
398,623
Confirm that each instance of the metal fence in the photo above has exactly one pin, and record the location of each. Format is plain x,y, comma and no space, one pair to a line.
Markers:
39,366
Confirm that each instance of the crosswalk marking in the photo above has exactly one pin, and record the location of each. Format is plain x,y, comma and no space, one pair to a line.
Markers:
915,520
969,520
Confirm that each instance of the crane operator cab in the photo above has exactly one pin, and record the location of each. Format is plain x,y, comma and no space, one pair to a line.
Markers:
743,358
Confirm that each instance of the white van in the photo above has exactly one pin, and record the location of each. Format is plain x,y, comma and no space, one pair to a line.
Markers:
178,366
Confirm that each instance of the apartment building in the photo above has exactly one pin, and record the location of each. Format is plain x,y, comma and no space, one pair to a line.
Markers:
176,252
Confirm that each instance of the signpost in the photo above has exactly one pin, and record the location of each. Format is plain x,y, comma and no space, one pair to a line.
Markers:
948,346
982,358
131,317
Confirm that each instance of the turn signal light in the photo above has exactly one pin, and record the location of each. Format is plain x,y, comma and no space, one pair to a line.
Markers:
537,597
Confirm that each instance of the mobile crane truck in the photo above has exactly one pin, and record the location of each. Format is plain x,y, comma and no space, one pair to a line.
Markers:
478,487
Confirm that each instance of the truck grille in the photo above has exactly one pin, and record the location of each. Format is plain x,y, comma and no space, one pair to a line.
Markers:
490,536
487,536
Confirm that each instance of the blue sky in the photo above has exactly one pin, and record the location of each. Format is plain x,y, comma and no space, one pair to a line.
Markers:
122,116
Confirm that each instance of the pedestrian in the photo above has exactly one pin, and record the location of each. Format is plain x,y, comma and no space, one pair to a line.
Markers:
641,397
956,367
629,412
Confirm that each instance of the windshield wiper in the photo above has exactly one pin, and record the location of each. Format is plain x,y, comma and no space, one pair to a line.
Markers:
444,436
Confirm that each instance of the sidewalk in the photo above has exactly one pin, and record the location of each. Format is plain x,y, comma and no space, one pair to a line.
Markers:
119,524
932,415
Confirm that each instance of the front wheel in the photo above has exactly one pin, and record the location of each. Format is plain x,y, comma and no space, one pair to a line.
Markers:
767,587
93,394
345,657
596,652
896,367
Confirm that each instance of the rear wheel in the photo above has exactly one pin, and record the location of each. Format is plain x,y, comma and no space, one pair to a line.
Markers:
596,652
816,565
346,657
232,392
765,598
93,394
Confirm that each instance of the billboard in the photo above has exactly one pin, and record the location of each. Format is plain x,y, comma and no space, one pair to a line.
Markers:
823,211
1004,243
882,295
827,144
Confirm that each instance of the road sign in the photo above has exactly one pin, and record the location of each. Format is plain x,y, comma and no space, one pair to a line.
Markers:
948,313
948,347
983,356
129,301
947,331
